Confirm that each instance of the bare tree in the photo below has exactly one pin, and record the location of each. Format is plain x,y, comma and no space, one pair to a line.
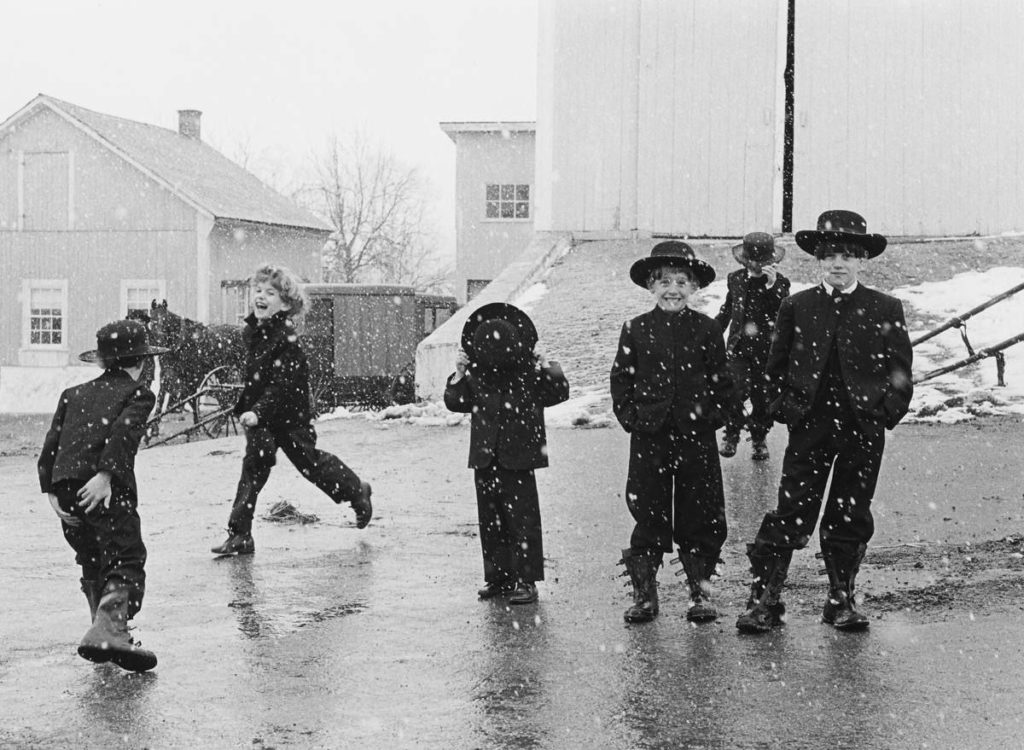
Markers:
377,208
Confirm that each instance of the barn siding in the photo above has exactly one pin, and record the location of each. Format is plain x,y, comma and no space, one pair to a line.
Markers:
660,116
910,113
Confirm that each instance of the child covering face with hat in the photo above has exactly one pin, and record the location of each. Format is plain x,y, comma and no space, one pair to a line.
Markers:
505,385
87,469
670,390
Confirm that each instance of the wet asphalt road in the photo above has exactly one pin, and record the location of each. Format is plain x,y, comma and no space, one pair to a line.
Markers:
330,637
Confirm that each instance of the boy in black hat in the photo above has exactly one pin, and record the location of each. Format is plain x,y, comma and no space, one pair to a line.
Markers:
87,469
505,385
671,390
839,369
751,304
276,411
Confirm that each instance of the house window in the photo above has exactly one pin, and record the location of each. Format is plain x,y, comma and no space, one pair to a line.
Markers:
507,201
45,314
138,294
236,300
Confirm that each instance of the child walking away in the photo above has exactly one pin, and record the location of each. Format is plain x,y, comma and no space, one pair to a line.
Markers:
506,385
671,390
276,411
751,305
87,468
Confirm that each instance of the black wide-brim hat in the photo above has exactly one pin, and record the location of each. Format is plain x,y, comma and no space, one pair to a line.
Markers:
120,340
841,226
758,247
525,338
671,253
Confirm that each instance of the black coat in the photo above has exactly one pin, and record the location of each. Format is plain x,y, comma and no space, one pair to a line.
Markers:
276,384
733,310
508,415
97,427
874,354
671,364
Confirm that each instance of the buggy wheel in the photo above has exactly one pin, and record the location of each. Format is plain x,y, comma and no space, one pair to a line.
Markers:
218,393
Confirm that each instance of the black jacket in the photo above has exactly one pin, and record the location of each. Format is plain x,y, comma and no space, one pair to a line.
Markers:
97,427
276,384
733,310
874,354
508,415
671,365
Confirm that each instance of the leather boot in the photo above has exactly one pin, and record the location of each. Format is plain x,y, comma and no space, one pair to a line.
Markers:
91,589
729,443
235,544
362,505
642,569
765,610
759,451
108,638
842,565
698,570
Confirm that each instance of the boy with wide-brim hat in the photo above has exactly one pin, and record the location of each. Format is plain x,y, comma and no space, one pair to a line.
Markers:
505,384
751,304
671,389
839,368
87,469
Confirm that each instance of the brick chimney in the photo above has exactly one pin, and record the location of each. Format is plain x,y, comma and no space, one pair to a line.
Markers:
188,123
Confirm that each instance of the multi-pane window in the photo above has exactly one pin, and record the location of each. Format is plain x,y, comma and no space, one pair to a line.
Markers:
236,300
138,294
46,313
508,201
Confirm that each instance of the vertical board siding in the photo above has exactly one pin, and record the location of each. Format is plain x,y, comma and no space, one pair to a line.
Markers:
910,113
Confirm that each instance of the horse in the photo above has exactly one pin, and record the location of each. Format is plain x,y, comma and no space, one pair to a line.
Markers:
195,350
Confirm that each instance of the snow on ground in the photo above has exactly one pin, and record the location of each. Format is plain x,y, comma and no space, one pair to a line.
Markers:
954,397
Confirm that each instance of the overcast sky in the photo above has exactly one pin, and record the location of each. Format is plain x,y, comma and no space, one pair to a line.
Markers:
281,76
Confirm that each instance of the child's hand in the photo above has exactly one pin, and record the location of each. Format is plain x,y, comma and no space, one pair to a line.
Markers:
95,491
541,359
64,516
249,419
461,362
772,274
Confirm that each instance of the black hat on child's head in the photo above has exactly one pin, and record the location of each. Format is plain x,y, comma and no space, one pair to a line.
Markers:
121,339
675,254
839,225
498,334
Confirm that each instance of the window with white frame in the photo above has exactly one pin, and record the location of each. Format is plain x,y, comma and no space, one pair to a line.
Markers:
138,294
507,201
45,314
236,300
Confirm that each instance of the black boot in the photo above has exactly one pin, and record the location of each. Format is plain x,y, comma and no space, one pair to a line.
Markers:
698,570
362,505
729,443
108,638
91,589
841,565
235,544
642,569
765,609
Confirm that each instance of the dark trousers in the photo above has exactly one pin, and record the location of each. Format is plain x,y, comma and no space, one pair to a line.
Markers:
510,533
817,446
674,492
108,543
323,469
751,382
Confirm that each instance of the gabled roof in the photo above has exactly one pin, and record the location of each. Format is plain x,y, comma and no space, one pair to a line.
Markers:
194,171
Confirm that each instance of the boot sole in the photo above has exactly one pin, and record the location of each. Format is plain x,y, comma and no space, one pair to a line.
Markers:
132,661
233,552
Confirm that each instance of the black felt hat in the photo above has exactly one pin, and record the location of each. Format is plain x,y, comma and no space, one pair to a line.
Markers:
498,333
759,247
841,226
671,253
119,340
